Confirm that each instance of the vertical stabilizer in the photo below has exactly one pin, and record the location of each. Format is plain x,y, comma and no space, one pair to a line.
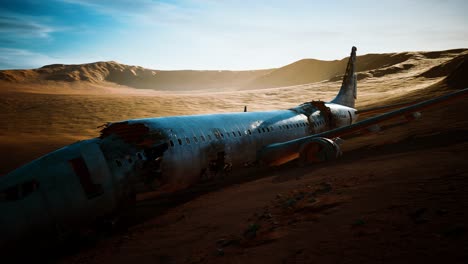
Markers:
348,92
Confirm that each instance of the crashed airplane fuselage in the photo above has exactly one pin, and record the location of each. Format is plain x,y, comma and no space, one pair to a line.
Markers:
94,178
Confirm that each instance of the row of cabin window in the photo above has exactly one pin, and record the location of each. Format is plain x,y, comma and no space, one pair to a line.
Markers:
318,123
220,135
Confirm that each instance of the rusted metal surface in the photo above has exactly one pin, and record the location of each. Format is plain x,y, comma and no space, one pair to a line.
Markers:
131,133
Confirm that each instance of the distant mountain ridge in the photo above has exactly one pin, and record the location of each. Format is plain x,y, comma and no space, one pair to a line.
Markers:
300,72
132,76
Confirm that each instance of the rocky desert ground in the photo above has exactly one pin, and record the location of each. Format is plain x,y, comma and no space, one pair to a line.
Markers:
397,196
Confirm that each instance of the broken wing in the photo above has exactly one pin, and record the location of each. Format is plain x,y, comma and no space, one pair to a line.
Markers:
280,153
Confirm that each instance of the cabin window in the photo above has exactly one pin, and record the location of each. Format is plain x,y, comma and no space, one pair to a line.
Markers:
118,163
222,135
209,137
202,138
140,157
90,188
195,139
268,130
240,134
287,127
180,141
171,142
187,140
234,133
156,152
250,132
263,130
271,128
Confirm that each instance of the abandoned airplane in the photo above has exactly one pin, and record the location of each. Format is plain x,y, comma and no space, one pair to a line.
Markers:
91,179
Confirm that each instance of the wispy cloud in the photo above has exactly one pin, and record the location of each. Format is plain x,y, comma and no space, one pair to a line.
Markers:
210,34
126,8
21,58
24,26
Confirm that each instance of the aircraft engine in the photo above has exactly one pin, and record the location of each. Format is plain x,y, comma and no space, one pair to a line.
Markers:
413,116
319,150
311,150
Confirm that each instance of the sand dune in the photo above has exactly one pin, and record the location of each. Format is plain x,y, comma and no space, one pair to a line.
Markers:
72,78
132,76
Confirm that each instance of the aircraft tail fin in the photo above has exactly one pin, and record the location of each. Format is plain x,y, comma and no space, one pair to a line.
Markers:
348,92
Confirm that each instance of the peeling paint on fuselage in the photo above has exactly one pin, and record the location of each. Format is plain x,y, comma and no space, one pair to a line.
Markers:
202,146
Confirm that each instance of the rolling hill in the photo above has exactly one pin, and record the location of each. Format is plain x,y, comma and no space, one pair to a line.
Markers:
436,64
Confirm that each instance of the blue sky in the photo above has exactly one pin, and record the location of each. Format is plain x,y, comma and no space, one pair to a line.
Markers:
210,34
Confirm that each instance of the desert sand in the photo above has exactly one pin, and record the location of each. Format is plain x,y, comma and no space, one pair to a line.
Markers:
396,196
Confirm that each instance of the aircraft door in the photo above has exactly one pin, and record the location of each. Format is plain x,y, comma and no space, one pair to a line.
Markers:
92,169
96,164
94,179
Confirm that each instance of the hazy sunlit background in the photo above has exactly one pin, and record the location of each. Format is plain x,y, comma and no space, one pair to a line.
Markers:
205,34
